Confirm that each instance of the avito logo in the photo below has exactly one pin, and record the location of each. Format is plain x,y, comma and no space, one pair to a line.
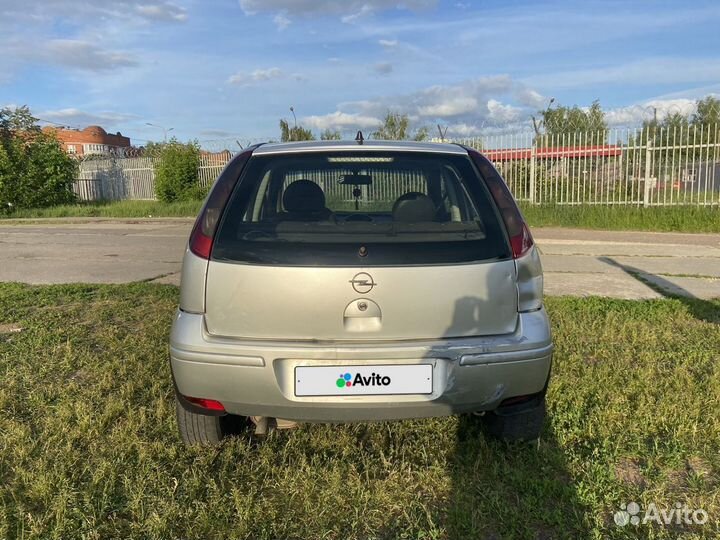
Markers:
347,380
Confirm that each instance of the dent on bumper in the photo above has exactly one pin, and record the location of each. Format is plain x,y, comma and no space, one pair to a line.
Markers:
256,378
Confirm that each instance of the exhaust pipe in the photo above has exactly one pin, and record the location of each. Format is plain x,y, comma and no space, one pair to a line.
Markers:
264,425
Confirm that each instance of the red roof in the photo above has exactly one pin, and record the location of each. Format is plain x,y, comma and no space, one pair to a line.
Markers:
509,154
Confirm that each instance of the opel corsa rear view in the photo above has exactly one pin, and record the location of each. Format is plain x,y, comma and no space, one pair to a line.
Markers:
335,281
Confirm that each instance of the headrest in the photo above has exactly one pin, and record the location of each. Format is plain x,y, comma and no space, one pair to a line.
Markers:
413,207
304,196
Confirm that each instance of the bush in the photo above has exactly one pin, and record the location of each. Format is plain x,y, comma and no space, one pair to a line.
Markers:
35,171
176,172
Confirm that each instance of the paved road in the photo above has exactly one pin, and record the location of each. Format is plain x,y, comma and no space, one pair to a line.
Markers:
576,262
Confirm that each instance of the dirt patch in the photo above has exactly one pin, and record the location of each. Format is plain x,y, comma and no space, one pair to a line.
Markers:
677,479
628,472
699,467
591,360
694,466
10,328
80,376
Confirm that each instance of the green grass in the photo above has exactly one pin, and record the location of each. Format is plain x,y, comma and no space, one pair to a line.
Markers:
678,219
689,219
88,443
116,209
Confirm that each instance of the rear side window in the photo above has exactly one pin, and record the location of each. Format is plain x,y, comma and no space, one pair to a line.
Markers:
360,209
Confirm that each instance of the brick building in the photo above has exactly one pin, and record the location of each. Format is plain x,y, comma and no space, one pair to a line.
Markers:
91,140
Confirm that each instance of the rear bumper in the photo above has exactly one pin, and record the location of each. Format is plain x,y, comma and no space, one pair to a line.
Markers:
256,378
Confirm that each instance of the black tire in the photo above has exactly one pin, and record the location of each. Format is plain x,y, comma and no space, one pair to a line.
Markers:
198,429
516,426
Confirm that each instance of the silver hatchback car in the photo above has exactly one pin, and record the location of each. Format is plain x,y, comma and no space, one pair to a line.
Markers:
337,281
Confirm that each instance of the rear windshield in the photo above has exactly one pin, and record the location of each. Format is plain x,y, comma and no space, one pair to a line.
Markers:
359,209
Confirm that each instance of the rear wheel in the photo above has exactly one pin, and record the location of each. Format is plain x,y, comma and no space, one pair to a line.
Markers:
198,429
511,426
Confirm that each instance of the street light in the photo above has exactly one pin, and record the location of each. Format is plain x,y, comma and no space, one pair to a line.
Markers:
292,110
165,130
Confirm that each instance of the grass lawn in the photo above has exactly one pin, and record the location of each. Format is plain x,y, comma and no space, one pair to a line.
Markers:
116,209
88,443
678,219
691,219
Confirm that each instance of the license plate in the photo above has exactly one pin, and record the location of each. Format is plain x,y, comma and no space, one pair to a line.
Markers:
367,380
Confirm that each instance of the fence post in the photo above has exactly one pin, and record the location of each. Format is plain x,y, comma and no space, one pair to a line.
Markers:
648,171
532,173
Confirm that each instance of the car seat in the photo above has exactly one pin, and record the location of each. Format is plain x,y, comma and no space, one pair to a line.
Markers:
413,207
304,200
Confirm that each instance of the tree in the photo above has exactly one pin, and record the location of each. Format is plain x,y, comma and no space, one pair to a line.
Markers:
330,135
19,120
295,133
35,171
396,127
707,119
153,149
562,120
686,133
708,111
176,172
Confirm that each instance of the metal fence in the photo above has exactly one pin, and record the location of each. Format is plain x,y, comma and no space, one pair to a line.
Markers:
676,165
118,178
663,166
115,179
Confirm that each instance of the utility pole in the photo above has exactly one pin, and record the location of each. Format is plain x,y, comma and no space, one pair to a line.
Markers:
442,132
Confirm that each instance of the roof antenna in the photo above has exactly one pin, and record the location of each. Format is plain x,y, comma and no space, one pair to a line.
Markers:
359,137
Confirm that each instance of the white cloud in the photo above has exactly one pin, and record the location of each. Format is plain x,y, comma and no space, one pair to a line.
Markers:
239,78
634,115
530,98
363,12
163,11
266,74
77,118
462,130
340,120
383,68
81,34
502,114
71,53
485,104
451,107
351,9
644,72
281,21
216,133
388,43
84,10
259,75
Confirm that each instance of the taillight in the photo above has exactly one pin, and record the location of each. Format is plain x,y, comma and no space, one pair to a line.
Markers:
527,260
203,233
520,238
209,404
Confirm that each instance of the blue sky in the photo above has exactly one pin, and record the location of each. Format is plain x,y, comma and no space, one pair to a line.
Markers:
226,69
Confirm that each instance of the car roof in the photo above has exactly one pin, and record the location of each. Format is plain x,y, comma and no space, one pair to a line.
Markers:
351,146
